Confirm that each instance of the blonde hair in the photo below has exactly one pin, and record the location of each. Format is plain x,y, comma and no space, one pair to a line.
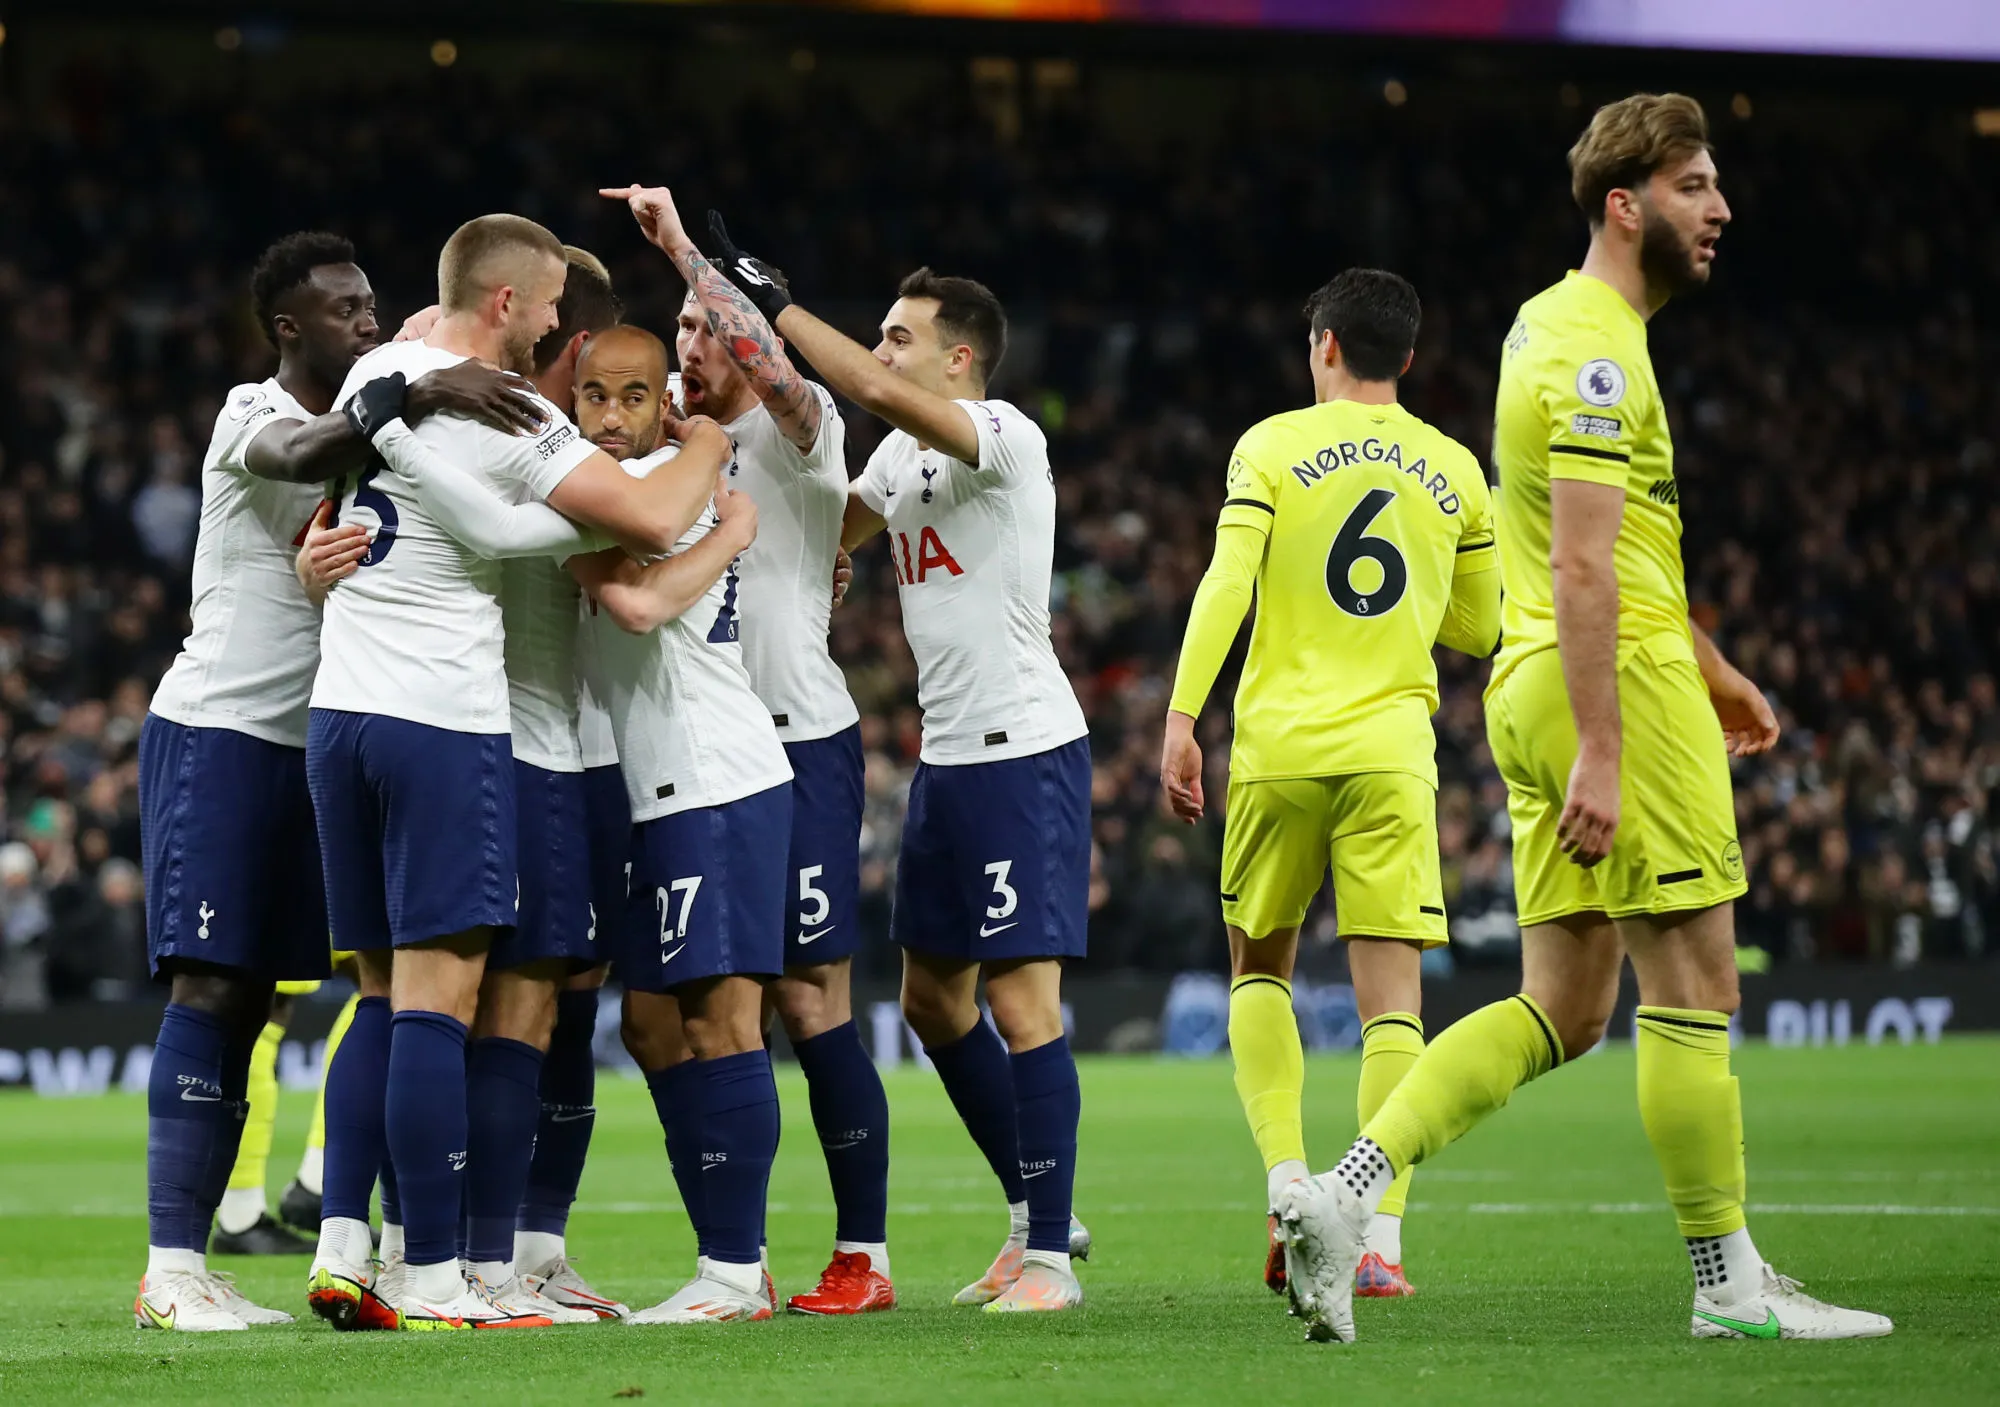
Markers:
1627,141
485,253
580,258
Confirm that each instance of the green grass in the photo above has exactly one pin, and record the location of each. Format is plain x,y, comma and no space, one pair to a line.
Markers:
1547,1268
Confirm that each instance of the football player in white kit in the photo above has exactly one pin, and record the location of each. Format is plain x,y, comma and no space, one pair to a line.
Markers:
791,460
409,753
709,786
993,874
234,896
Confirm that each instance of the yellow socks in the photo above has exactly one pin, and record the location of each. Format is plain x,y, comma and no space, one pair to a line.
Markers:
1465,1074
1270,1066
1390,1045
255,1149
1693,1115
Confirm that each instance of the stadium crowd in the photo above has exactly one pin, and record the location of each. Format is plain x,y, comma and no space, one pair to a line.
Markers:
1833,400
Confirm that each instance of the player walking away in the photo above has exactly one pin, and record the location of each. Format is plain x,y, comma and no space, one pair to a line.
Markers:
234,898
709,786
1603,692
790,459
1367,537
410,762
994,871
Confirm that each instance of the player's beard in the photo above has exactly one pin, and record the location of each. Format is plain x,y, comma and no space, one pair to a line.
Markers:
1666,259
516,355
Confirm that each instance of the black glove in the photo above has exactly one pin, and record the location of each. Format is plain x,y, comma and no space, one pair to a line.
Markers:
757,280
376,404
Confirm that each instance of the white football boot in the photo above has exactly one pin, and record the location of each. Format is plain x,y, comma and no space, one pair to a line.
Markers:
222,1289
473,1307
516,1295
1044,1284
1079,1239
1778,1308
718,1294
570,1290
181,1300
1325,1228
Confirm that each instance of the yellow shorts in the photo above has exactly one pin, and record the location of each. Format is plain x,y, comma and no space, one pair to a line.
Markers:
1675,848
1378,831
297,989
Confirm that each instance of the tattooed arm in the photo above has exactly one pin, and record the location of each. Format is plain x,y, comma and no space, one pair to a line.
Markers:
734,322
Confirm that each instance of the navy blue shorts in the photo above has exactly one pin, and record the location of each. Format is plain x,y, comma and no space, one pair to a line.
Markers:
416,827
555,920
825,877
708,894
607,819
995,862
231,857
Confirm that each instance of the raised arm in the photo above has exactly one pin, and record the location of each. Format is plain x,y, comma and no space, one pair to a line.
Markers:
640,598
327,446
733,319
845,364
1585,519
852,370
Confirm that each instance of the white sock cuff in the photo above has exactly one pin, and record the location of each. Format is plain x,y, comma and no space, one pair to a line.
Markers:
876,1251
174,1260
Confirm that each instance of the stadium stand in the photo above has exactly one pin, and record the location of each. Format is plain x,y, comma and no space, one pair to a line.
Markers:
1836,435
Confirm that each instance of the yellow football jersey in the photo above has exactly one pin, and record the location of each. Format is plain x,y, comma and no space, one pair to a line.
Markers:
1370,514
1578,400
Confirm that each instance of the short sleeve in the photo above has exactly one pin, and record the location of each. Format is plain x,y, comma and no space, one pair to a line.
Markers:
1595,404
243,417
540,462
1251,496
1012,447
873,485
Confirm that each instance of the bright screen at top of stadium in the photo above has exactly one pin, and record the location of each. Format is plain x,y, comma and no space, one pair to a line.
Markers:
1943,29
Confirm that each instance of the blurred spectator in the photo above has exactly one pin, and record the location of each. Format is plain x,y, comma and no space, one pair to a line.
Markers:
1835,402
24,930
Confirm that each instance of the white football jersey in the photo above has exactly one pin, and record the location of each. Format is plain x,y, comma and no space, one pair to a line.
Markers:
785,580
596,743
539,606
416,631
248,663
973,546
691,731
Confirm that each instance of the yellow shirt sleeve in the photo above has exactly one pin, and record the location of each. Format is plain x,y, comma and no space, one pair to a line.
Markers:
1220,603
1471,623
1596,404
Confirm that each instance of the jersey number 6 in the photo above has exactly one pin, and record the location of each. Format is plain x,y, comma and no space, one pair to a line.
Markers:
1350,545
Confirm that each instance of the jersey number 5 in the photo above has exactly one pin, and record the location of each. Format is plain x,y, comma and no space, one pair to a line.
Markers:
366,495
1350,545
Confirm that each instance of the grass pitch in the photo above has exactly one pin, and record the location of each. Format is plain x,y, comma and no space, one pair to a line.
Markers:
1547,1266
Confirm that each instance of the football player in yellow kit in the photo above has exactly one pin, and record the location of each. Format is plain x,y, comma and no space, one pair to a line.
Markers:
1612,720
1368,538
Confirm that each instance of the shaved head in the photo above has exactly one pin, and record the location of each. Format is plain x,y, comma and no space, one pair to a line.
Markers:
621,391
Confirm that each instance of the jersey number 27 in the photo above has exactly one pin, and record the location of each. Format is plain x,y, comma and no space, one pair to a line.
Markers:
1350,545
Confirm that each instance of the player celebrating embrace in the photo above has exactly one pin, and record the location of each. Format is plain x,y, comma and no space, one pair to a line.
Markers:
790,459
1367,536
995,861
1603,694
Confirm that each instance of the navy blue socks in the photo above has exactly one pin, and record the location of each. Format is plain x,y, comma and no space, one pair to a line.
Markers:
425,1116
739,1139
186,1118
1049,1106
677,1099
567,1116
357,1087
503,1103
851,1115
979,1078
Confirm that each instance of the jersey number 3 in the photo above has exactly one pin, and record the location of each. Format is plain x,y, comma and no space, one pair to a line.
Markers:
1350,545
